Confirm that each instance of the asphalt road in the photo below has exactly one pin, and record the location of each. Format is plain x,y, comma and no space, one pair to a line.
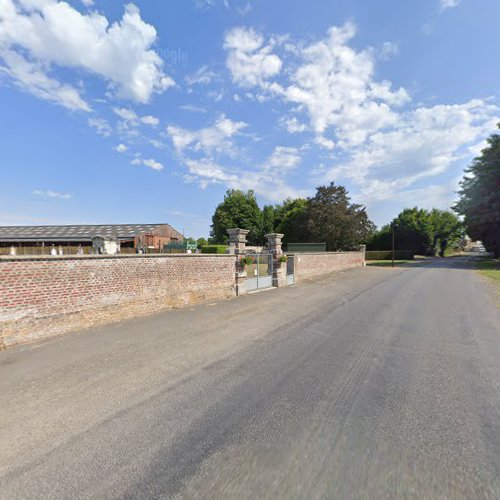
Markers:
371,383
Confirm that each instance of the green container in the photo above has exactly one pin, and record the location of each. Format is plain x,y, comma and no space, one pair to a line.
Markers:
306,247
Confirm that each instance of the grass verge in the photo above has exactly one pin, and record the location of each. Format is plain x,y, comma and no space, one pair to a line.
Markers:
489,268
387,263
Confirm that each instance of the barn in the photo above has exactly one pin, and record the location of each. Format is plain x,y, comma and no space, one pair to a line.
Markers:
86,239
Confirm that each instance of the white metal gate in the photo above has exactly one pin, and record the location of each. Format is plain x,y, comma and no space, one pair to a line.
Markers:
290,270
259,271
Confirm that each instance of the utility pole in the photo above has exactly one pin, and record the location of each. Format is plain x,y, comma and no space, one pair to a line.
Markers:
393,249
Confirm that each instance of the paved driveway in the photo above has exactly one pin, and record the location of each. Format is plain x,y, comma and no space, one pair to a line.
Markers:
372,383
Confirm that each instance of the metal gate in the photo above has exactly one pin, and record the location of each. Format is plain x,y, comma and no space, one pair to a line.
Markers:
259,271
290,270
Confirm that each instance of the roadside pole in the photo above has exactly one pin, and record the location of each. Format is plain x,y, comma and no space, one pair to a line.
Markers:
393,251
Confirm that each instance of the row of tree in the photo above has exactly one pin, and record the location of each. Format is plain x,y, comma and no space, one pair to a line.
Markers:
424,232
327,217
330,217
480,197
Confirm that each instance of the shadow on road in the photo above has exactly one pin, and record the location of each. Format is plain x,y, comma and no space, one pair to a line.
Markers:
455,262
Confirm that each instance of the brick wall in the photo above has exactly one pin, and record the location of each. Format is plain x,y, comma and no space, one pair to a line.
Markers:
309,265
42,297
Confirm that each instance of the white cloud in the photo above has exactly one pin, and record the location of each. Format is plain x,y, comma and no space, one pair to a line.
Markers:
121,148
388,50
32,78
38,36
211,156
383,146
150,120
53,194
324,142
268,181
131,119
292,125
126,114
192,108
333,83
203,76
153,164
448,4
157,144
101,126
206,171
283,158
425,142
209,139
204,4
249,60
88,3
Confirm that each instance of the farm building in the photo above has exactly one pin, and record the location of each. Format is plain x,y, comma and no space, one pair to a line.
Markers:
78,239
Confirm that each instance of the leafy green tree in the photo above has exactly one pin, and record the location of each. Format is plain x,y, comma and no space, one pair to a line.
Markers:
381,239
420,231
332,218
480,197
268,215
291,220
414,231
447,229
201,242
328,216
239,209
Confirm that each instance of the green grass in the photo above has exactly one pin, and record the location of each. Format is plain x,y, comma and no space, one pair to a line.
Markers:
251,268
489,267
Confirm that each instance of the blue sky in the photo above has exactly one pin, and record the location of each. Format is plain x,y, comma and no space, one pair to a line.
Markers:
148,111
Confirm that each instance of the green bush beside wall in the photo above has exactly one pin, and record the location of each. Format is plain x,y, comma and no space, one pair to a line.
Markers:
213,249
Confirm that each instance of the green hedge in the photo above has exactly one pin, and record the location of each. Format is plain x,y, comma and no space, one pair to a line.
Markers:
387,255
213,249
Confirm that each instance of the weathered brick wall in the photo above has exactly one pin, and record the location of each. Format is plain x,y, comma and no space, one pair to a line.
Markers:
309,265
41,297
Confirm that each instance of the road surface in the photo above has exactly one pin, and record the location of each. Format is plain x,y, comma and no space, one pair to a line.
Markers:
371,383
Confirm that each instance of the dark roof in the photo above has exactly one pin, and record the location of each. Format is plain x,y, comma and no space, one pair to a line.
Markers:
74,232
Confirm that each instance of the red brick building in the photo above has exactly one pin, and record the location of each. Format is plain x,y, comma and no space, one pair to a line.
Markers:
101,238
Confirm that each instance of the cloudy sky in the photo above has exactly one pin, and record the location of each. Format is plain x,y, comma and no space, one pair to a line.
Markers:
148,111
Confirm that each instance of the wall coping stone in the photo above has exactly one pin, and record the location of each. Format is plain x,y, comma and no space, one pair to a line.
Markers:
323,253
16,258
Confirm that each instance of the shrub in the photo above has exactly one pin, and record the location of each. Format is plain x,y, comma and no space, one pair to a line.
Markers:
246,261
213,249
283,258
387,255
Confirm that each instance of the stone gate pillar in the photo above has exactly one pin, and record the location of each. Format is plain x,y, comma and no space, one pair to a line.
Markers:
237,243
362,249
237,240
279,268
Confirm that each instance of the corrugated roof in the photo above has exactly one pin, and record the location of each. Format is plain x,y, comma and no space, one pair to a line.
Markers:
75,232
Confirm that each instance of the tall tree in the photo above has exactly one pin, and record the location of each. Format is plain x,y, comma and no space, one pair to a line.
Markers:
268,216
421,231
447,229
414,231
291,220
480,197
239,209
201,242
332,218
